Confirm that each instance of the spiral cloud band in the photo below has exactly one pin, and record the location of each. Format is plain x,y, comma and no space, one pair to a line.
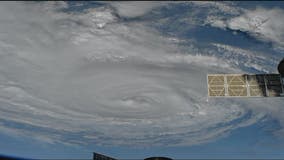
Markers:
90,78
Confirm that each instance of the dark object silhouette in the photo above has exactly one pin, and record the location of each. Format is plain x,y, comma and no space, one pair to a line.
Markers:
97,156
281,68
4,157
158,158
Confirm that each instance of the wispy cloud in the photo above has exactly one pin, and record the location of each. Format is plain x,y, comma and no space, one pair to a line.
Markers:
263,24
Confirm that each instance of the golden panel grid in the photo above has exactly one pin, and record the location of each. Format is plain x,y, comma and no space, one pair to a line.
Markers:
236,80
255,79
237,90
243,85
257,91
216,80
216,90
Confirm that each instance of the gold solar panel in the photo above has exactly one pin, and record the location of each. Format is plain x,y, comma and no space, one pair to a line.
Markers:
257,90
237,90
244,85
236,80
217,90
255,79
216,79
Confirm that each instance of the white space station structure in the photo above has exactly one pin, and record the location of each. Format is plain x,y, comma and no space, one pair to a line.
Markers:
247,85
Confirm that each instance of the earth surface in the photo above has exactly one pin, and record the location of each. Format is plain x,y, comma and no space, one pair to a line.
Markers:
128,79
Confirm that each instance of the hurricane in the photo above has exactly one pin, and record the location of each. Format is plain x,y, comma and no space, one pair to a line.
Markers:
91,78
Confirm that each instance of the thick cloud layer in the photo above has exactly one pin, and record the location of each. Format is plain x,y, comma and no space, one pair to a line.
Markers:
88,78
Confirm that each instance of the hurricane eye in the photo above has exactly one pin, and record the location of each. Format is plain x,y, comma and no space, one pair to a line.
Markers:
138,100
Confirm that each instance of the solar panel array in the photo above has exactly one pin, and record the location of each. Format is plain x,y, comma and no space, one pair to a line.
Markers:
97,156
244,85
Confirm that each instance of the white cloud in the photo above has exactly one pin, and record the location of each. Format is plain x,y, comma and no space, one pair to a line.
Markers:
224,7
243,58
83,77
263,24
135,9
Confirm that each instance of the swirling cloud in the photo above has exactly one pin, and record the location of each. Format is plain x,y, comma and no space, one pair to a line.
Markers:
88,78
